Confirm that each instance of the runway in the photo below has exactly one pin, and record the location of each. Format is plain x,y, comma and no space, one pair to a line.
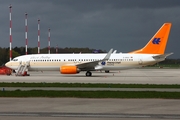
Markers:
132,76
89,109
93,109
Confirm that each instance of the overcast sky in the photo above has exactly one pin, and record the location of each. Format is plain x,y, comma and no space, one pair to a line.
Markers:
124,25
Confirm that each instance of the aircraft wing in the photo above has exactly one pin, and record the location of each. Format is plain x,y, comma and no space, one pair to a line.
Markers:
162,56
91,65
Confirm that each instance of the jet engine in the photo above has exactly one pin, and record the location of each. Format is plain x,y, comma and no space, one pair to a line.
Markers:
69,70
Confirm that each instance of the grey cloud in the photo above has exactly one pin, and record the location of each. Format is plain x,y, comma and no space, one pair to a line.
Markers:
125,25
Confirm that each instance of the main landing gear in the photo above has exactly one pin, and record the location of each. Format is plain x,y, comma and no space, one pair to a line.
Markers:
88,73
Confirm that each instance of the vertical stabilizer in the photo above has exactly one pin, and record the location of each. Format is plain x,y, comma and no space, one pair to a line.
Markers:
157,43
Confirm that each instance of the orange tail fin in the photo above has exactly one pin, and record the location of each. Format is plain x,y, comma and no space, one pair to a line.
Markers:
158,42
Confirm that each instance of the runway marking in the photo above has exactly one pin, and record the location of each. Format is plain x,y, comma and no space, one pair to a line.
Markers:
91,115
89,89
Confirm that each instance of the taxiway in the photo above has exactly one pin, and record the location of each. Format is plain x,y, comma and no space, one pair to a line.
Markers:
133,76
88,109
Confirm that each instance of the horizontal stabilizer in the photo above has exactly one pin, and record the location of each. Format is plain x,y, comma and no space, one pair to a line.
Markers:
162,56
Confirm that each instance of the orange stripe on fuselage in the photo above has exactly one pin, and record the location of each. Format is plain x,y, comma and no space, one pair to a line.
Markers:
157,44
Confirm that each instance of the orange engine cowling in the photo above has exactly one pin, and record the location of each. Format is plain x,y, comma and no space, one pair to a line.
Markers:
69,70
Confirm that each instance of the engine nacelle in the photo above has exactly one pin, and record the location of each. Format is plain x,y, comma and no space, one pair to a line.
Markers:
69,70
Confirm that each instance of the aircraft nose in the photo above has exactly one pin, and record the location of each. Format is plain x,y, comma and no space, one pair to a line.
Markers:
8,64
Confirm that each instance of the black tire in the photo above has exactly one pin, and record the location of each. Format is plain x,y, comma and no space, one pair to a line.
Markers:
88,73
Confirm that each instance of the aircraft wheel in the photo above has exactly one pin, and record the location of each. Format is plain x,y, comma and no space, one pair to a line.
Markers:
106,71
88,73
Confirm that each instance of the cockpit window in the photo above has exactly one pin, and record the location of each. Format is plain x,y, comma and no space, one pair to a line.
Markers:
15,59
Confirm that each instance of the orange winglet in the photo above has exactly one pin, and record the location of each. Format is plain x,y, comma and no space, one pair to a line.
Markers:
157,43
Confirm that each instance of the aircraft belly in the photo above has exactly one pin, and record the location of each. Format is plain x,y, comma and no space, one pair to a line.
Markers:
118,67
43,68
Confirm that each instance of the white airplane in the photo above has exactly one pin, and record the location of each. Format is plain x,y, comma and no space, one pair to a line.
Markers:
150,54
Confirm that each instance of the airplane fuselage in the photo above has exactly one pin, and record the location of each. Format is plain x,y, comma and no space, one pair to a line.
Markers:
53,62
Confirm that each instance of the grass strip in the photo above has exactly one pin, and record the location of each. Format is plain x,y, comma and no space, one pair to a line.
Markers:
91,94
88,85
